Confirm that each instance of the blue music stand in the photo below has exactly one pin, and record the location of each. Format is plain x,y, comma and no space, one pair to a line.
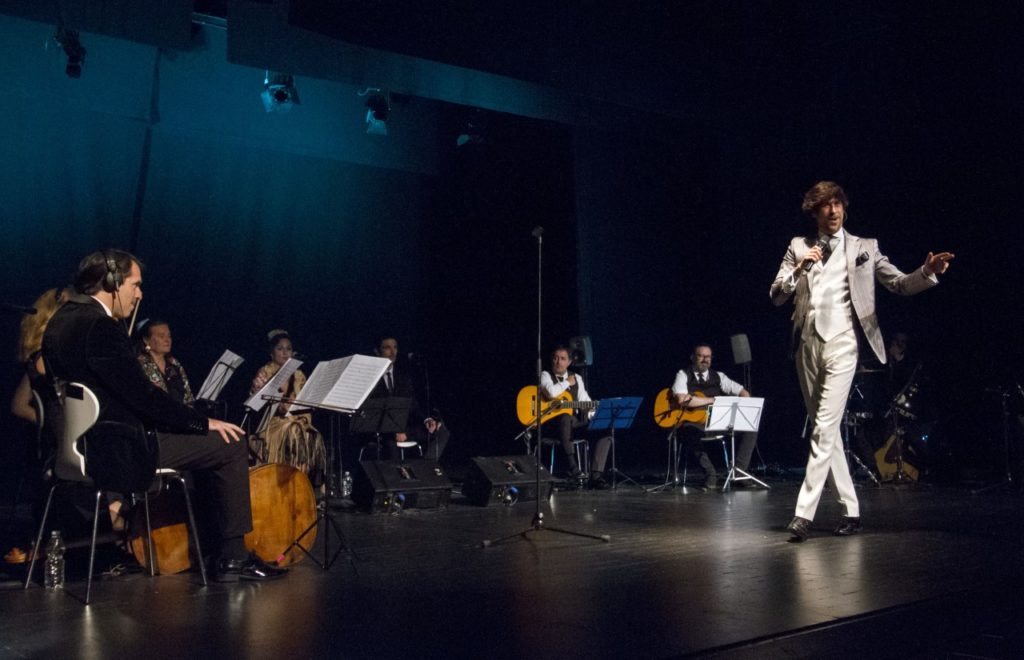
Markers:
616,413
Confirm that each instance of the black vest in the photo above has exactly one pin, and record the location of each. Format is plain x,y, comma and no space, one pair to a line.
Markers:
712,387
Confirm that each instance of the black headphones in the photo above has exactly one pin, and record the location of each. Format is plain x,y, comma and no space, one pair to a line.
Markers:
113,278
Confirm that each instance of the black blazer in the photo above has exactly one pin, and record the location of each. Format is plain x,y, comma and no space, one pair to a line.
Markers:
82,343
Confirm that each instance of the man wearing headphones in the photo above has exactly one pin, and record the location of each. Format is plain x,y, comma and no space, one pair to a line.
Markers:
140,426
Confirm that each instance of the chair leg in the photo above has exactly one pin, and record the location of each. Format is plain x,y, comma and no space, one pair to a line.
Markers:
725,454
552,468
92,545
192,524
150,554
39,536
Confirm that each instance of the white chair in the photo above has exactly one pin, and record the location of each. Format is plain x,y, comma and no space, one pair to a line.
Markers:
402,446
81,410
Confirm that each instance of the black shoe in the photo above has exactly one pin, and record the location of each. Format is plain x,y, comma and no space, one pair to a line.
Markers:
597,482
799,529
250,568
711,482
847,526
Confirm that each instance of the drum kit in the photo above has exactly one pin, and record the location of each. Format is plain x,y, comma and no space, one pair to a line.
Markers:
900,459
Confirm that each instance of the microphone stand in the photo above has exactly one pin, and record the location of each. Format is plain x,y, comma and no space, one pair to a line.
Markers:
1007,480
537,524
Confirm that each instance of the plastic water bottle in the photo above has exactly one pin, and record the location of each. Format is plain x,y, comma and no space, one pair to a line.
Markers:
346,484
53,575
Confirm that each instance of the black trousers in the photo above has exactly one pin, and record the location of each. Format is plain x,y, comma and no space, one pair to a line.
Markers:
568,427
221,474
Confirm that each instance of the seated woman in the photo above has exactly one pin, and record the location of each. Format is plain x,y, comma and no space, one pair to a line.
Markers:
38,456
162,368
284,437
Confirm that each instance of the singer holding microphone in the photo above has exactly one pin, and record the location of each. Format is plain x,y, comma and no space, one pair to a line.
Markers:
830,275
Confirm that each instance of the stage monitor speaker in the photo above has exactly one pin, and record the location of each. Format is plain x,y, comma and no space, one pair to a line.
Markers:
391,486
505,480
581,352
740,349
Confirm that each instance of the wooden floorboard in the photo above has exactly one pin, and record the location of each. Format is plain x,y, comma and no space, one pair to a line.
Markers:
684,574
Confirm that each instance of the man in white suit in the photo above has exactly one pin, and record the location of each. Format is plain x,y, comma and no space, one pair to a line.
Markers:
831,276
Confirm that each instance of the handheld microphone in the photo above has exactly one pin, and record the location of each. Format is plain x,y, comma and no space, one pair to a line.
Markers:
823,244
537,231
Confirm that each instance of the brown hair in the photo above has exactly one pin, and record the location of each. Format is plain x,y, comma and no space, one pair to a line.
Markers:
34,325
821,193
94,269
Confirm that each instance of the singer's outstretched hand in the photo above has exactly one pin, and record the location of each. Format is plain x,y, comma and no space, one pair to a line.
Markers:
938,263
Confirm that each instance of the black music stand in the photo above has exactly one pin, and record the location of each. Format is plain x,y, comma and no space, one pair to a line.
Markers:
616,413
381,415
322,509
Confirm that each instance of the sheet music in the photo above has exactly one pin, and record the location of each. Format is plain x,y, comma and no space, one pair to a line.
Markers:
319,383
274,385
747,411
218,377
342,383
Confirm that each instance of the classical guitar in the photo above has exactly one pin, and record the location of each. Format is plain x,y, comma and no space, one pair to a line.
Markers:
526,402
668,414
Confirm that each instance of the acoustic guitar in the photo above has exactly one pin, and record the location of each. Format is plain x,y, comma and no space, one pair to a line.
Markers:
563,404
887,459
668,414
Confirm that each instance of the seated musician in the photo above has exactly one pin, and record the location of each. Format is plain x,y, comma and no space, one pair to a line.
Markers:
425,428
286,437
162,368
39,452
697,387
565,427
141,427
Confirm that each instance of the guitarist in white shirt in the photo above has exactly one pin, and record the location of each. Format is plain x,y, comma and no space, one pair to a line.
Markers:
697,387
554,384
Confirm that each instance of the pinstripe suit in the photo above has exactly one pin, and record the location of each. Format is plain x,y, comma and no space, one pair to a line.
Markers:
826,364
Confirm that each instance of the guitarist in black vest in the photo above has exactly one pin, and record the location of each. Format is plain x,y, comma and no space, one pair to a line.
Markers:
564,427
697,387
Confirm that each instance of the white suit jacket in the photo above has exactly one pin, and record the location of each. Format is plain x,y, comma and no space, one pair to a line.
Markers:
864,264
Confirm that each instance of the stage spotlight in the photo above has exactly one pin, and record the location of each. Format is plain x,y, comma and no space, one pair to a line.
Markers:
473,129
279,93
378,109
67,39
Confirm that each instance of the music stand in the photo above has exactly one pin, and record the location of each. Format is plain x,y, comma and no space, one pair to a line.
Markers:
616,413
381,415
322,513
731,414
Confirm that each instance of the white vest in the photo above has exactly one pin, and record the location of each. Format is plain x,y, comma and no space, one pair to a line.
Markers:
831,313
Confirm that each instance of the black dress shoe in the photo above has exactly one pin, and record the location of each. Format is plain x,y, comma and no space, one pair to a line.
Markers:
251,568
597,482
847,526
799,529
711,482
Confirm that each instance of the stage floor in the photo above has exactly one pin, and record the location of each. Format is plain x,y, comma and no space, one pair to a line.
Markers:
936,573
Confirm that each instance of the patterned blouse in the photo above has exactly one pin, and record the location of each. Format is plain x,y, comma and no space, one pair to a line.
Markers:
173,380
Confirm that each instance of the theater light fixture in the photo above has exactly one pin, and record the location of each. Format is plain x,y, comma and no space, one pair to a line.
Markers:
378,109
68,41
279,93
